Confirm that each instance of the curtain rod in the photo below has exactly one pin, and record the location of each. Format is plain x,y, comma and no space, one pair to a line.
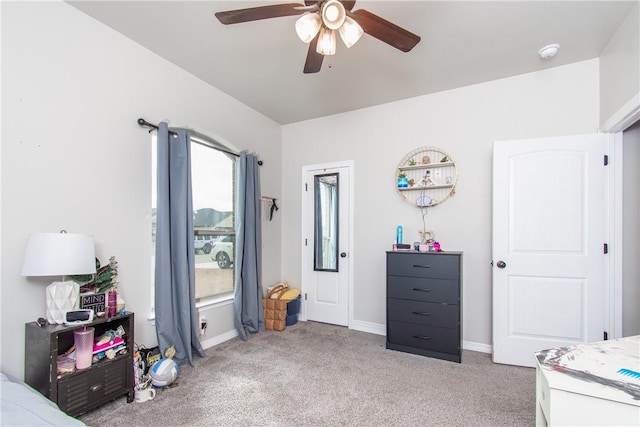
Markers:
144,123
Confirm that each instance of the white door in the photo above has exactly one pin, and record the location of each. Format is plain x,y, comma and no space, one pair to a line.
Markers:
548,245
326,243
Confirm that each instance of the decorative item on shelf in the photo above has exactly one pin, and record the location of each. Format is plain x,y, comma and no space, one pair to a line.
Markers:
102,290
403,181
426,180
429,171
95,302
400,247
59,254
423,201
113,292
426,235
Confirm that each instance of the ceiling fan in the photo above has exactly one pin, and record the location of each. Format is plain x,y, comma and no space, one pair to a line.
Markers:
319,22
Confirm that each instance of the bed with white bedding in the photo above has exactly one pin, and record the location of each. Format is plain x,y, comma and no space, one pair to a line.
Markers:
23,406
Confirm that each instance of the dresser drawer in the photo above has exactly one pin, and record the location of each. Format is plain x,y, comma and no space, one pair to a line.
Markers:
105,381
424,313
423,337
431,290
436,265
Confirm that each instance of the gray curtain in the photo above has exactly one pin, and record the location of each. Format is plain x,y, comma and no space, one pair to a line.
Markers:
248,313
175,306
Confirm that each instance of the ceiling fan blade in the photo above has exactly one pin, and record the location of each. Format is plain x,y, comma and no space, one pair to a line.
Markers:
384,30
256,13
313,62
348,4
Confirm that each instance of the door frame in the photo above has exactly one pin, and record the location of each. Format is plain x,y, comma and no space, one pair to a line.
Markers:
308,234
616,124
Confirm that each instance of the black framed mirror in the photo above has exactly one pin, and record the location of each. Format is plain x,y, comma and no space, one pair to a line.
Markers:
325,254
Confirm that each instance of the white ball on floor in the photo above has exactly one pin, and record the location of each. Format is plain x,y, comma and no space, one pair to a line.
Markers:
163,372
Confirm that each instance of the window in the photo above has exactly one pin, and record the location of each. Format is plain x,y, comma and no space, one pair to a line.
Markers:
212,176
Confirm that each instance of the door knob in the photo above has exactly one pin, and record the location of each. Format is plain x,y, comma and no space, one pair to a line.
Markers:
343,255
501,264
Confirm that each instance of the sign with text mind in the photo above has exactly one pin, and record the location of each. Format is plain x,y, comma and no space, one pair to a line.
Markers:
95,302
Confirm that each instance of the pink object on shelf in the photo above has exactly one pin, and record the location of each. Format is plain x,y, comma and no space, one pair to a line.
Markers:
83,341
97,348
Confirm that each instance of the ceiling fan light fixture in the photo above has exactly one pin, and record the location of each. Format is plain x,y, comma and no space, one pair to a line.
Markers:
333,14
307,26
350,32
326,42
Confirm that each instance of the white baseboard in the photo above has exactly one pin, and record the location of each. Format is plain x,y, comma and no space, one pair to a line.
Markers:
378,329
372,328
476,346
357,325
219,339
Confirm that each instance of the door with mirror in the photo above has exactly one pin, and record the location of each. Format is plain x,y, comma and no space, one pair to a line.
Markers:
326,261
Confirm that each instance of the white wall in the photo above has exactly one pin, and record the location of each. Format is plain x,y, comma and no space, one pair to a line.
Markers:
464,122
74,158
620,72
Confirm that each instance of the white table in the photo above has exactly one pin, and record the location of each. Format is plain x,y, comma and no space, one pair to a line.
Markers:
575,397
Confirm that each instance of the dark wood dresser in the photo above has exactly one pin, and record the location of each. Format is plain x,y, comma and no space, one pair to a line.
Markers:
424,304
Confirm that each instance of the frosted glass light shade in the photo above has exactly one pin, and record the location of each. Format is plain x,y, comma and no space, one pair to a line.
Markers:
333,14
326,42
350,32
308,26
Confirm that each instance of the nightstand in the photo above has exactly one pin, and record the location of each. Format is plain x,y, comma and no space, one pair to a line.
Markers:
80,391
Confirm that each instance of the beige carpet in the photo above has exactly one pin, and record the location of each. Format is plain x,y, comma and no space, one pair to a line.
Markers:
314,374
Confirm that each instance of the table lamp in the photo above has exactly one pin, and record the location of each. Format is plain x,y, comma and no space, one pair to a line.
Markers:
60,254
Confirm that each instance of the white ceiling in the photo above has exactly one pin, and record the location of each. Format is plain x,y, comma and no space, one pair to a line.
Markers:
463,42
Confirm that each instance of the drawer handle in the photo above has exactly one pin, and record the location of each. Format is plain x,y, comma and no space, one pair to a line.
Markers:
421,266
96,387
422,337
422,290
421,313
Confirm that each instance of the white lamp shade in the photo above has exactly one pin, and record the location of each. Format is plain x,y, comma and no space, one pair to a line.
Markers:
326,42
59,254
333,14
308,26
350,32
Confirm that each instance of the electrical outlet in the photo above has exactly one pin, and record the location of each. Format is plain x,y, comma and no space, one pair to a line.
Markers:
203,325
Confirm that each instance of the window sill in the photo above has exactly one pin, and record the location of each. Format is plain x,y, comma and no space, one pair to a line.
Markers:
206,303
216,301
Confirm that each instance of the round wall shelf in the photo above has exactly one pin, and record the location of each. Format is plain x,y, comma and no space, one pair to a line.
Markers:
427,176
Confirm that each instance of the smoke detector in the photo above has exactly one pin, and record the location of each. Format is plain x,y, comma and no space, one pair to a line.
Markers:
549,51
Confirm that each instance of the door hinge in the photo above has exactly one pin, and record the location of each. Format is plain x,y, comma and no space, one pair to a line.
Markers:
305,187
305,296
606,160
305,242
606,248
605,335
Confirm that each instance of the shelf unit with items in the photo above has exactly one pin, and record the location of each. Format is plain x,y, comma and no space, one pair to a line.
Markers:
426,177
79,390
